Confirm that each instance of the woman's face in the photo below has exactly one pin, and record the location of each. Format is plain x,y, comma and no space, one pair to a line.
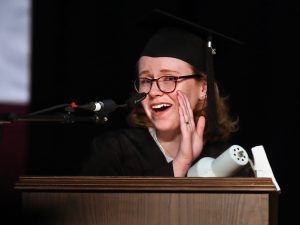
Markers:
162,108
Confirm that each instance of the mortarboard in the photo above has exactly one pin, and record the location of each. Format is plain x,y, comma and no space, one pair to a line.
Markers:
179,38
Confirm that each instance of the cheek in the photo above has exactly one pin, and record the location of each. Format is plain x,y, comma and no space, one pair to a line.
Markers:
193,101
193,96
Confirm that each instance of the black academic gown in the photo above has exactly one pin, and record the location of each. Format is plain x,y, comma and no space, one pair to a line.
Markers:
133,152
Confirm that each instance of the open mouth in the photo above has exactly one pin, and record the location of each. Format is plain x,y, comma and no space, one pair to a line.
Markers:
161,107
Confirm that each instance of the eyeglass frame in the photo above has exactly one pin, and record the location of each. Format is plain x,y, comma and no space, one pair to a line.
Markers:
157,81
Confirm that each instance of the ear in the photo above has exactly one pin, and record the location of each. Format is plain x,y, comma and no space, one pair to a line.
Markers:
203,90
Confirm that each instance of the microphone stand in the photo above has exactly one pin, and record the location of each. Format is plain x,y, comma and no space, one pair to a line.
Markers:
63,118
66,118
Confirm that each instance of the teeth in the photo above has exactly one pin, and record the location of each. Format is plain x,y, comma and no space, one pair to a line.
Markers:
160,106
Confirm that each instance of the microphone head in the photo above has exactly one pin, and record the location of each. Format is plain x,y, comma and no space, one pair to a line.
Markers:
135,99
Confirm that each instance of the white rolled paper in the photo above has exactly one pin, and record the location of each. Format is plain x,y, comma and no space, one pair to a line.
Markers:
229,162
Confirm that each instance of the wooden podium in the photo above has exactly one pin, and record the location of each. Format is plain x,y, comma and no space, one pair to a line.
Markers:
79,200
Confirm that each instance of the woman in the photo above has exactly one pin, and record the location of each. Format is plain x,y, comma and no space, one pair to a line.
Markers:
182,118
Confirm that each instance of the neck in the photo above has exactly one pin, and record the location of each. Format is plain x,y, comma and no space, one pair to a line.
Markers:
169,141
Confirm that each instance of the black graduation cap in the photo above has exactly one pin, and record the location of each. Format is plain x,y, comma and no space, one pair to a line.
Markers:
179,38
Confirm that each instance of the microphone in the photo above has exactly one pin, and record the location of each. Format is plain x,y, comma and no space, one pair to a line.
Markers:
225,165
135,99
107,106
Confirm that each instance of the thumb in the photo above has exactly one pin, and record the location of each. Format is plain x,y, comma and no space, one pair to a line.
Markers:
200,126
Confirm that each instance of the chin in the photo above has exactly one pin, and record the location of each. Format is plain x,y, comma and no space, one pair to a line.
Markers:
165,127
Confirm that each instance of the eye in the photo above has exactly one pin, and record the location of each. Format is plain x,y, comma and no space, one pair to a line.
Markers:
169,78
144,81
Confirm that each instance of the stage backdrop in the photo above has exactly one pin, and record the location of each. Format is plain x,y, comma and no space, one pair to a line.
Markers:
86,51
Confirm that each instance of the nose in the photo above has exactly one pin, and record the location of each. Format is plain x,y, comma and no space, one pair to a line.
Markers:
155,89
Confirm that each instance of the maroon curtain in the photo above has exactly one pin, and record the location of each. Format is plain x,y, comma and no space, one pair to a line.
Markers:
13,154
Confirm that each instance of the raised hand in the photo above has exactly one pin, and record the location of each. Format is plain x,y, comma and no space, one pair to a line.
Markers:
192,137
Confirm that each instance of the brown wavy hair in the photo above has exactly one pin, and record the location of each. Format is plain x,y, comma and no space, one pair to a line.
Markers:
226,124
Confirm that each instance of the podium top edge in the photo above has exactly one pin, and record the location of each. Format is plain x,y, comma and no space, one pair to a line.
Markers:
149,184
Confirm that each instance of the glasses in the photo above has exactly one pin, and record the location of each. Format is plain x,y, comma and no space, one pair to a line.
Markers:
165,84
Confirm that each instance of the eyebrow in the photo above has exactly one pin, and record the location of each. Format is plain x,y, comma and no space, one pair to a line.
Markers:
161,71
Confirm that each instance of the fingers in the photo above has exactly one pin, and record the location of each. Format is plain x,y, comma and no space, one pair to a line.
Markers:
185,111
